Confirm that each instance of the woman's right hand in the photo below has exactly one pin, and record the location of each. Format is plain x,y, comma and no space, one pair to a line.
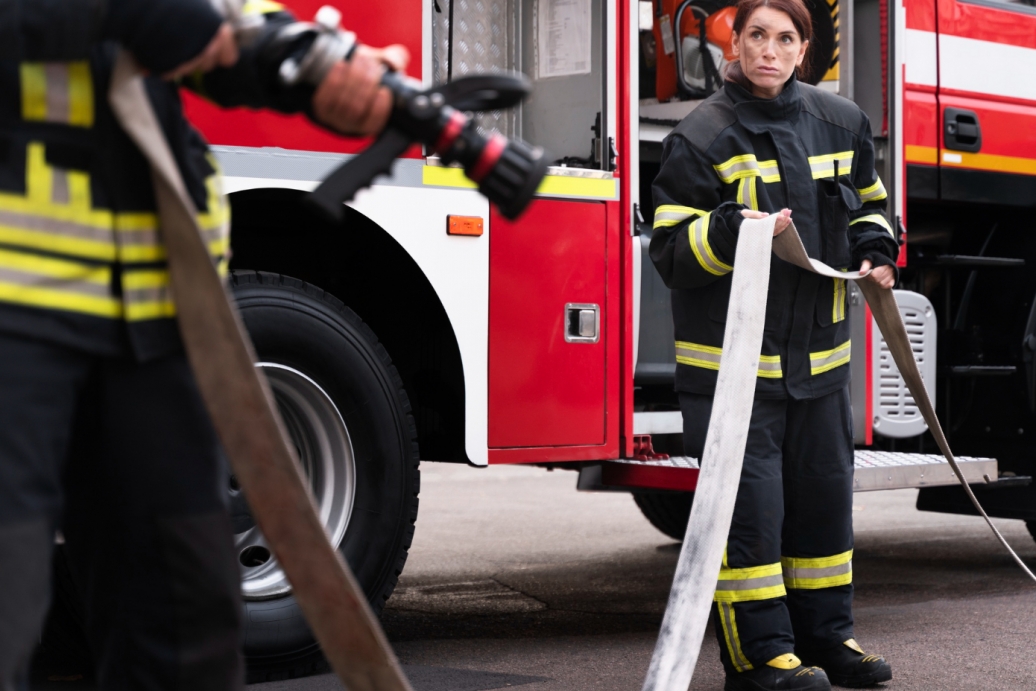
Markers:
783,218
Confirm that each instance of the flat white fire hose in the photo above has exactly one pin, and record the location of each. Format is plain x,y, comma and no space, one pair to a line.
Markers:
694,584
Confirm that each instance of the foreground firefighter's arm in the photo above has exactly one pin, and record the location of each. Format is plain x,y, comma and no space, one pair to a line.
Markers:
871,236
350,100
695,233
161,34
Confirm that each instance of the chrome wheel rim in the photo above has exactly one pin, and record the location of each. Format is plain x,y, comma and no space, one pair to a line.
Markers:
325,450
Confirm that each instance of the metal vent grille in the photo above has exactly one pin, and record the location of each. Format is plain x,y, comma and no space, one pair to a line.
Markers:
485,39
895,412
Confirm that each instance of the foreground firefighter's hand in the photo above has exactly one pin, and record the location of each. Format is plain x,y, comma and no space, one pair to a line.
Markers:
351,99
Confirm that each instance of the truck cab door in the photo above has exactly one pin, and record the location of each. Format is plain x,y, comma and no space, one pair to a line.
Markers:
987,101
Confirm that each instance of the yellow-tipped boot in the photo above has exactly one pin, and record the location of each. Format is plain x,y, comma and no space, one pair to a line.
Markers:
782,673
847,665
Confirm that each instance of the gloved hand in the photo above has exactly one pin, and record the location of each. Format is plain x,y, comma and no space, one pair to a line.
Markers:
351,99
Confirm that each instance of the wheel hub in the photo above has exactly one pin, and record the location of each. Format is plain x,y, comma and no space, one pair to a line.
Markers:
324,450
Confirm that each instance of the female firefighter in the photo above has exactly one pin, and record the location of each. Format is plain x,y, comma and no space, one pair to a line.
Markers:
769,143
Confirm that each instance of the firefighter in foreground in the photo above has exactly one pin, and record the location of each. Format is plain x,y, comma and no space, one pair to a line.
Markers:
102,431
768,143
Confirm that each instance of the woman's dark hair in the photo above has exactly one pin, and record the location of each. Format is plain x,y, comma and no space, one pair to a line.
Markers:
800,17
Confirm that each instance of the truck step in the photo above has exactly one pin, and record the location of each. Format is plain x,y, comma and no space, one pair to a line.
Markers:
874,470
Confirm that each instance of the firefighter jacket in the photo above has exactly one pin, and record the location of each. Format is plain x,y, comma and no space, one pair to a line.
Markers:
806,150
81,258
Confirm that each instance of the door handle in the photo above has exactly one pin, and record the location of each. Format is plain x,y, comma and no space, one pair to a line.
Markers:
962,130
582,323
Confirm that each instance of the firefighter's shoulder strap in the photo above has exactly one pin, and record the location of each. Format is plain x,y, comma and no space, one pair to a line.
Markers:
694,583
246,420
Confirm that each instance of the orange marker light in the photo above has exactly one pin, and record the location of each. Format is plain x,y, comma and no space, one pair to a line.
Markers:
464,225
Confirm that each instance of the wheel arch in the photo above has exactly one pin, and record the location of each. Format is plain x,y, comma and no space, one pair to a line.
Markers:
362,265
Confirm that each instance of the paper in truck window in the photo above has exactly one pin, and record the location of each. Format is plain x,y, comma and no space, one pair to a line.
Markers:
563,38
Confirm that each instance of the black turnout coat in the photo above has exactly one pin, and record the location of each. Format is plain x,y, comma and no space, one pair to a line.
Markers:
806,150
81,258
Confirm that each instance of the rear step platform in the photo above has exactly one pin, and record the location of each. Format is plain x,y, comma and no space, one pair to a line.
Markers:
874,470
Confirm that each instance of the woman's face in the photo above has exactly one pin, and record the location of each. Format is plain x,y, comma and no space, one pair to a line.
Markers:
769,49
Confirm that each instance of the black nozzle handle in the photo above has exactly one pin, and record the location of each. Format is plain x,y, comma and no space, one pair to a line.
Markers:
358,172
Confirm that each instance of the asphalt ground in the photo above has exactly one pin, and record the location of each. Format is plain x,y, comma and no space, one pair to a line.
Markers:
517,580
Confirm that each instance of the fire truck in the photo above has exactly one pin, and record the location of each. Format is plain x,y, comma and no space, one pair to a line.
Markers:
427,326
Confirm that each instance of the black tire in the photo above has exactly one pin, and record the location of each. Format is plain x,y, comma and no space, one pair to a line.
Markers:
667,511
1031,525
298,325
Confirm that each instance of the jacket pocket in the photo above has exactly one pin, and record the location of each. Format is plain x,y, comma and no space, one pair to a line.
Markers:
834,222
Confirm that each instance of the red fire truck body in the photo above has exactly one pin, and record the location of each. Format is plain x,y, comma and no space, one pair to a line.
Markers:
548,339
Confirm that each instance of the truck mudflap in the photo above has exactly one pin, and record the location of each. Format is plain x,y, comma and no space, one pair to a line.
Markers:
874,470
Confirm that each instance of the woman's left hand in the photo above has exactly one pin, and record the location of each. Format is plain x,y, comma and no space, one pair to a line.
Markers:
884,276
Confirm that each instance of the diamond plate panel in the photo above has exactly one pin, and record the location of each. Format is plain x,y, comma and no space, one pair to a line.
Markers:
485,39
875,470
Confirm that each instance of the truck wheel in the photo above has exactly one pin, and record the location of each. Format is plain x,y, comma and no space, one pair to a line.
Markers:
667,511
344,405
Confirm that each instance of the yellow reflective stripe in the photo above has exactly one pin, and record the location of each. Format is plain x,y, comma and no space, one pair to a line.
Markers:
147,295
699,239
34,91
827,360
875,192
696,355
671,214
770,367
821,572
876,219
45,282
733,641
750,583
80,95
261,7
746,192
59,92
838,308
746,165
708,357
824,166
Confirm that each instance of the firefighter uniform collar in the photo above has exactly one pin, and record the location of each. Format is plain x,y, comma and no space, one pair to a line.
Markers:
759,114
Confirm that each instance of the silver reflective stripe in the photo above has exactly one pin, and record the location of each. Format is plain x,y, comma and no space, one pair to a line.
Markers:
698,232
873,193
770,366
29,279
153,294
751,583
53,226
59,107
800,574
59,189
824,166
829,359
747,166
733,643
697,356
670,214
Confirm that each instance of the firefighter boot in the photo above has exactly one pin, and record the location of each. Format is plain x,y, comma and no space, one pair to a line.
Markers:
782,673
847,665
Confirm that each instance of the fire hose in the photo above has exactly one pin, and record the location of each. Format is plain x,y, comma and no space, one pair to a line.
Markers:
694,584
238,399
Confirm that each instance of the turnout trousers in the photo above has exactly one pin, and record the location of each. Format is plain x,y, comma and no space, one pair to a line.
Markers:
121,457
786,581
